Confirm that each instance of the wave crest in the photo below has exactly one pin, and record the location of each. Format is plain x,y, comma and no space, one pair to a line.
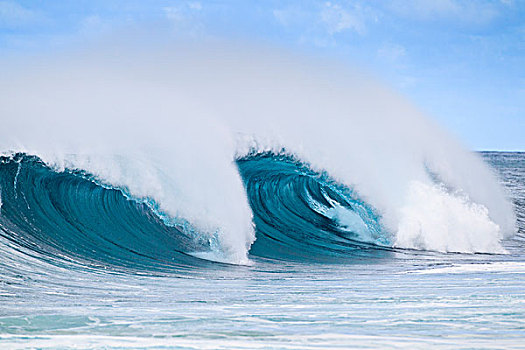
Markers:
168,126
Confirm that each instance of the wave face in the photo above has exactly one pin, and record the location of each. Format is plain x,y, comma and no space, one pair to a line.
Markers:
67,217
203,149
302,214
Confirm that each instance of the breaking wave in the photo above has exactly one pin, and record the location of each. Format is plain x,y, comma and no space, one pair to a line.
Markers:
156,163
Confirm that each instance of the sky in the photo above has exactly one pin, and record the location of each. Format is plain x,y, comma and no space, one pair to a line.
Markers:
462,62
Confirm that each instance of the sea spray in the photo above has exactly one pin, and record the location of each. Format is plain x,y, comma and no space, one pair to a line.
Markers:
169,125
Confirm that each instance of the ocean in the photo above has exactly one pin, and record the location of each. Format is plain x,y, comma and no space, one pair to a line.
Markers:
85,264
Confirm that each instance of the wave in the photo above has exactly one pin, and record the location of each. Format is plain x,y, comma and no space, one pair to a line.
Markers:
166,159
302,214
67,216
71,216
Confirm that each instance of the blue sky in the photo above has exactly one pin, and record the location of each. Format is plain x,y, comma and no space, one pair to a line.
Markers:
462,62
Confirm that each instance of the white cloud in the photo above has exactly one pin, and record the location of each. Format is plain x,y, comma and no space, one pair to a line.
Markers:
391,52
337,19
195,5
475,12
284,17
427,8
13,15
95,25
324,20
186,18
174,14
184,12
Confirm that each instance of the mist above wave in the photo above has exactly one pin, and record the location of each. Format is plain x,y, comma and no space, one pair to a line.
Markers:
168,125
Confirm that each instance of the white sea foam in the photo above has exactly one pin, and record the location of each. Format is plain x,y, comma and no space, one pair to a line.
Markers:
435,219
168,126
514,267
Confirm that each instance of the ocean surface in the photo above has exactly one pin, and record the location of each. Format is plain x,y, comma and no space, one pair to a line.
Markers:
86,265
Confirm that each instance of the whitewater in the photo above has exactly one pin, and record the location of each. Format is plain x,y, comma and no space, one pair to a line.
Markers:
217,197
168,128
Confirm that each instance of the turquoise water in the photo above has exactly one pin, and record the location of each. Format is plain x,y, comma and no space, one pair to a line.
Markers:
349,292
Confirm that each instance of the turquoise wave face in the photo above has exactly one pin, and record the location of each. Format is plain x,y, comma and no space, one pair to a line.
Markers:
304,215
68,217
